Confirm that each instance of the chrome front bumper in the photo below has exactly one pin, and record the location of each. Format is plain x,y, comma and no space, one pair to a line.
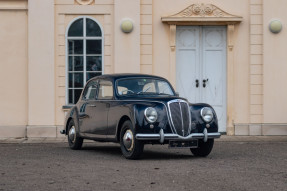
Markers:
161,137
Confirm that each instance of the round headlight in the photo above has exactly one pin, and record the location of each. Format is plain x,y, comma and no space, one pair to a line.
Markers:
150,114
206,114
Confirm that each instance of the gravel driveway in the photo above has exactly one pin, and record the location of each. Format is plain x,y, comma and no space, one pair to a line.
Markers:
100,166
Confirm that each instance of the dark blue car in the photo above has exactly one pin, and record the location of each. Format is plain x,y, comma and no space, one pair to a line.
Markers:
137,109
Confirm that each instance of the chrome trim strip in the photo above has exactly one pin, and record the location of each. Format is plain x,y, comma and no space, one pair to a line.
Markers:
189,113
205,133
148,136
161,133
171,136
182,126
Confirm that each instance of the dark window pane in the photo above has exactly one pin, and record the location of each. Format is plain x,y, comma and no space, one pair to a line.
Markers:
76,29
94,63
75,46
77,95
71,63
91,75
76,63
78,80
94,46
71,80
93,29
70,101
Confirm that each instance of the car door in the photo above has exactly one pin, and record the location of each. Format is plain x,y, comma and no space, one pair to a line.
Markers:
99,108
85,107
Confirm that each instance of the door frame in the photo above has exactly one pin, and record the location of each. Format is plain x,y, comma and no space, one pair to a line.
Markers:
186,18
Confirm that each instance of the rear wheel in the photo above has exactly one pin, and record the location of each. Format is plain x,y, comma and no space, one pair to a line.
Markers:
74,140
131,148
204,148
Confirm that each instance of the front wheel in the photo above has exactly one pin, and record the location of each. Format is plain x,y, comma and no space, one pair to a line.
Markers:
131,148
74,140
204,148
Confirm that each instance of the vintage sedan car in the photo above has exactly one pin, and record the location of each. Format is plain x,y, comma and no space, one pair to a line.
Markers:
138,109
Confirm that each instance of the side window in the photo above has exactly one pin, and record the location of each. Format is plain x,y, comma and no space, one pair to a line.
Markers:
90,91
105,90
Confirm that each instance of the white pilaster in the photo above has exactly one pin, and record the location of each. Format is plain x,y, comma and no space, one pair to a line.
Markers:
41,90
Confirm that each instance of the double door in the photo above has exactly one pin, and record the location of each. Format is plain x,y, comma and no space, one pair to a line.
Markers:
201,67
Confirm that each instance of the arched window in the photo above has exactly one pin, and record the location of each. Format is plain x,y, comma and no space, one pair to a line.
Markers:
84,55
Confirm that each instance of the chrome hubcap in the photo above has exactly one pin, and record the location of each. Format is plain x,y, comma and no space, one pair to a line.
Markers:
72,134
128,140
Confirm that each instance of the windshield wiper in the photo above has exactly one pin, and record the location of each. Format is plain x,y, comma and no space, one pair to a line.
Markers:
144,90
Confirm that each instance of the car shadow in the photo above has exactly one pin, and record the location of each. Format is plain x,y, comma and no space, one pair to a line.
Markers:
108,150
165,155
148,154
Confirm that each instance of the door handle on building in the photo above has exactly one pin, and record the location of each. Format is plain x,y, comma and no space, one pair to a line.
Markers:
204,82
196,83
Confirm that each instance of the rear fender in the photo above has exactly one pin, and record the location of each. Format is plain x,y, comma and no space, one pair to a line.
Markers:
72,114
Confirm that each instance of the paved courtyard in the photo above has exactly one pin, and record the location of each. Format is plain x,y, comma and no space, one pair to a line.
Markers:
236,163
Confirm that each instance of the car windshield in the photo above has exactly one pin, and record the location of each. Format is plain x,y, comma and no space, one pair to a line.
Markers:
143,86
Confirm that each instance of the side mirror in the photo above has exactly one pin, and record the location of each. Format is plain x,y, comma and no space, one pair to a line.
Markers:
177,94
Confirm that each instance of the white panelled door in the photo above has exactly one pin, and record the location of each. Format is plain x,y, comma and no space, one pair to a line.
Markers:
201,67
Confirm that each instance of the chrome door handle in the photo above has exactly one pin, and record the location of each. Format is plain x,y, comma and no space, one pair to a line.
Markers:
83,115
92,105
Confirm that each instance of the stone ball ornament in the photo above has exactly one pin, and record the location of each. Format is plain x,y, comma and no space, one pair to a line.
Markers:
275,26
127,25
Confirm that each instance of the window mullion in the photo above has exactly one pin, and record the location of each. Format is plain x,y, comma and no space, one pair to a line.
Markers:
85,60
73,91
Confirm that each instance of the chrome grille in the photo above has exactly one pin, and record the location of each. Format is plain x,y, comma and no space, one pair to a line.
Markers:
180,117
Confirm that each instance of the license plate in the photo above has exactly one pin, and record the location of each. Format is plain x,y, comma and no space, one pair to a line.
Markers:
183,144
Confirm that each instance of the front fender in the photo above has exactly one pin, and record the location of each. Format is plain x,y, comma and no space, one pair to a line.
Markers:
197,120
143,126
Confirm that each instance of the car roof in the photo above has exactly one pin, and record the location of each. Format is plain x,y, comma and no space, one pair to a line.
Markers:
126,75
